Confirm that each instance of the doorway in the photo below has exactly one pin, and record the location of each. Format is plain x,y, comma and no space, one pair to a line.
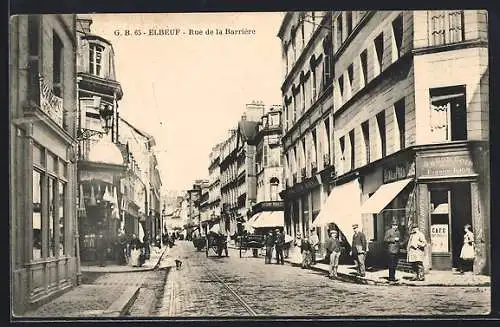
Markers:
450,211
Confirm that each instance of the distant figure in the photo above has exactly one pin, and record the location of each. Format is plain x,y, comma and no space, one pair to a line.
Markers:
279,244
359,249
305,249
314,239
334,248
269,243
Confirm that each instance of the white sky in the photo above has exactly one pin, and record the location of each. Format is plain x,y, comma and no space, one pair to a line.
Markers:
188,91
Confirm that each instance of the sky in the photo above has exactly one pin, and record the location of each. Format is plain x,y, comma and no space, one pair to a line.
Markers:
189,90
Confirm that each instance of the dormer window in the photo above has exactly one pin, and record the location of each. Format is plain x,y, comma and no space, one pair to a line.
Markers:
95,59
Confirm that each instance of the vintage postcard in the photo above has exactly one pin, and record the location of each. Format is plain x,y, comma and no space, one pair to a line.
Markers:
250,164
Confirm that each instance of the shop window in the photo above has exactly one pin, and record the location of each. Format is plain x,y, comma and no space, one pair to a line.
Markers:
379,51
364,66
353,149
57,68
448,114
62,217
37,215
397,39
399,109
348,22
52,212
382,134
95,59
38,155
365,129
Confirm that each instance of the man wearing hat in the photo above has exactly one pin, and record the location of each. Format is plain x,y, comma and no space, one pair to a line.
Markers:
279,244
314,239
393,238
415,251
359,249
333,247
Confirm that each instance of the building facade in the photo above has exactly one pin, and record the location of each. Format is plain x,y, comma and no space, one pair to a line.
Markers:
410,129
42,175
307,120
101,164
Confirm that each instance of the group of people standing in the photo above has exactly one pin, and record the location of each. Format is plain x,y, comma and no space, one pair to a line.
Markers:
275,240
415,244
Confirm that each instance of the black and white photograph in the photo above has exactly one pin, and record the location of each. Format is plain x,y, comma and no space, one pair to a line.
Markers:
211,165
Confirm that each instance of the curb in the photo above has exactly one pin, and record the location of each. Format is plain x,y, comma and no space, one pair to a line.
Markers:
365,281
132,269
123,304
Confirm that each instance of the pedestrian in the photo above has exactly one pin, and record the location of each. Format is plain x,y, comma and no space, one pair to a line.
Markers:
101,248
415,252
392,239
269,243
297,253
359,249
305,249
279,244
314,239
467,253
334,249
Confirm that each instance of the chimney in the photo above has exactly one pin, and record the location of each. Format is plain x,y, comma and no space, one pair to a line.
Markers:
254,111
83,23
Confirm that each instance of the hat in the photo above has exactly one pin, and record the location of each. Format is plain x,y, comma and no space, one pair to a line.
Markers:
395,221
333,231
355,226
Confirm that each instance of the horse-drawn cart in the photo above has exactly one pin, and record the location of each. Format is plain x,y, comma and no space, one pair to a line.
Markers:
217,243
251,241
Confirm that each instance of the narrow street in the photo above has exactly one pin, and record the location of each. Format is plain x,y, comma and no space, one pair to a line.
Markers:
245,286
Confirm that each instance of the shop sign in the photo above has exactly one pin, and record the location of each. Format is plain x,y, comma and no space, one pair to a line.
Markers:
401,171
439,238
446,165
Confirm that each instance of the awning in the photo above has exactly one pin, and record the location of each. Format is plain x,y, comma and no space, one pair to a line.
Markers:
248,224
383,196
342,208
270,219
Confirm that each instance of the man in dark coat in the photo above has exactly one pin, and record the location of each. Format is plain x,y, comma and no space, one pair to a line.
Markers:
269,243
279,244
393,238
359,249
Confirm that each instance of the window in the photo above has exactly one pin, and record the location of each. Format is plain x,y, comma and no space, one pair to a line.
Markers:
303,40
341,86
265,155
381,130
349,22
399,109
327,62
62,217
353,149
95,57
52,207
339,31
379,50
350,75
397,32
327,129
57,69
33,51
313,83
448,114
364,66
342,151
446,26
365,129
37,215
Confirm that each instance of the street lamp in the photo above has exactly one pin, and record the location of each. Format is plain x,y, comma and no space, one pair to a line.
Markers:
106,113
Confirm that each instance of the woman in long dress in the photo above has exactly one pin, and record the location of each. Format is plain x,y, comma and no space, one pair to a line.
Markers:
467,254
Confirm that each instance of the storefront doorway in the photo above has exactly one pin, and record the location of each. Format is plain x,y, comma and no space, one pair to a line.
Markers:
450,211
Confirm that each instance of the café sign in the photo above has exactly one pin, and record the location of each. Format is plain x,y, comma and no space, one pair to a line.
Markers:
51,104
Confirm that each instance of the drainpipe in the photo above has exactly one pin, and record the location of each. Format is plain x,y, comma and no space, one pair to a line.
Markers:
77,236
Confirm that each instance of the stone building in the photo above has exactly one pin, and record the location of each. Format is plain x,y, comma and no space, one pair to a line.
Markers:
42,172
410,129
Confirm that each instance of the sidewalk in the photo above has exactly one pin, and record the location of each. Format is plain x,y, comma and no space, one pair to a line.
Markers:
154,259
380,277
92,300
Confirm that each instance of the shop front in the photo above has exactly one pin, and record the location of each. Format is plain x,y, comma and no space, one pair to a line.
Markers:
451,194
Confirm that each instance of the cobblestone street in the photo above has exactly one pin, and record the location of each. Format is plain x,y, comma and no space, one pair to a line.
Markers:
245,286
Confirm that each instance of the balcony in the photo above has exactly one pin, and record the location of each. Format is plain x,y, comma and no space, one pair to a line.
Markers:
43,97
